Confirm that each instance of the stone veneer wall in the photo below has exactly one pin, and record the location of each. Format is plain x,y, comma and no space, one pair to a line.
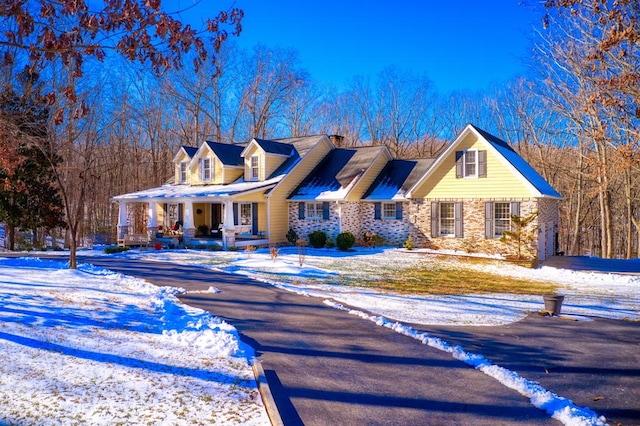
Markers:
473,224
394,231
304,227
358,218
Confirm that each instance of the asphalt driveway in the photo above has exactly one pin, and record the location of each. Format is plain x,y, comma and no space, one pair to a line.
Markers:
325,366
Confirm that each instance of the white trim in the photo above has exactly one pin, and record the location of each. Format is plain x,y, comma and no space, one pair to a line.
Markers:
251,167
452,147
324,139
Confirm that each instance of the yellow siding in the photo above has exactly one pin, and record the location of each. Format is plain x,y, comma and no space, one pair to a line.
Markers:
279,207
255,197
217,171
231,174
500,182
272,163
181,157
367,179
262,217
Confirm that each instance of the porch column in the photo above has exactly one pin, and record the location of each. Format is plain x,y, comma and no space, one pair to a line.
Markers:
188,227
152,220
123,225
228,226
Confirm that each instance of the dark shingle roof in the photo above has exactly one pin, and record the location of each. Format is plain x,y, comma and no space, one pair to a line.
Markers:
323,178
339,168
190,150
520,164
273,147
228,154
396,178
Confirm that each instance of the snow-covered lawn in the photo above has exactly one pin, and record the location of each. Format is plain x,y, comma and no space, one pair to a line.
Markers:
606,295
94,347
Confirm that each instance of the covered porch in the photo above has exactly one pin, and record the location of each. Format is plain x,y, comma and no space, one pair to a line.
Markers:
192,223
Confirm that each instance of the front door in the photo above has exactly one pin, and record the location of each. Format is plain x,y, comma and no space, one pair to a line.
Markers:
216,220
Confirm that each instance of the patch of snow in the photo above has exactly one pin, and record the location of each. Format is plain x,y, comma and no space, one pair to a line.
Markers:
90,346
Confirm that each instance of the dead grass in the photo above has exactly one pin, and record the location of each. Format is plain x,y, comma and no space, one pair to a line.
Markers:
452,278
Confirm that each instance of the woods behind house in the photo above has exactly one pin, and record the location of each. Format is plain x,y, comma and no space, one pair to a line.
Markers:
575,117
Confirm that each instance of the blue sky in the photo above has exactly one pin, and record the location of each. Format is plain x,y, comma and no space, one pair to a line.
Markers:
458,44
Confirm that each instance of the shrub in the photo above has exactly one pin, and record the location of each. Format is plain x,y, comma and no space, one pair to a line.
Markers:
371,239
408,244
292,237
330,243
317,239
345,240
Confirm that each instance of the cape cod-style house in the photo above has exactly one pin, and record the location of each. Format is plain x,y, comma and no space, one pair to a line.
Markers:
253,193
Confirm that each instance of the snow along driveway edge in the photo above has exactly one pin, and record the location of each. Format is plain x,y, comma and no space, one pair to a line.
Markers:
558,407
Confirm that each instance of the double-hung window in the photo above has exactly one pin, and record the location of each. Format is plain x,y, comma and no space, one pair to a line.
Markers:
313,211
447,219
389,211
501,218
498,217
254,167
183,172
205,169
471,163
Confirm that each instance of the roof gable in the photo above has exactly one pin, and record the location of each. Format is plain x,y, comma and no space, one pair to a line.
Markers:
336,174
228,154
188,151
507,156
396,178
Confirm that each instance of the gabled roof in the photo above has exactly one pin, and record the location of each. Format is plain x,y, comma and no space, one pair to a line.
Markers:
336,174
396,178
228,154
273,147
189,151
527,174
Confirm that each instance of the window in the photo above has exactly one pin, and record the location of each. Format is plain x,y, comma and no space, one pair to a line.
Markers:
498,217
205,169
389,211
255,167
313,211
183,172
471,163
502,219
245,214
447,219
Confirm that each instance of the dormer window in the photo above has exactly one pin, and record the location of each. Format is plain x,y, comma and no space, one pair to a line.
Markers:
255,167
205,169
183,172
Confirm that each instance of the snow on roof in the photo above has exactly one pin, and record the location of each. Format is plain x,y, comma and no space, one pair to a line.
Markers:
228,154
335,175
396,178
190,191
528,172
322,183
